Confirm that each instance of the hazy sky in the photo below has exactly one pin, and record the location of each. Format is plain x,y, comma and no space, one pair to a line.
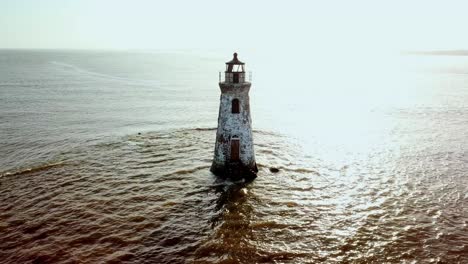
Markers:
270,25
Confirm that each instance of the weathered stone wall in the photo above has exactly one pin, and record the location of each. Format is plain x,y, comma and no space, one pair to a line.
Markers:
232,124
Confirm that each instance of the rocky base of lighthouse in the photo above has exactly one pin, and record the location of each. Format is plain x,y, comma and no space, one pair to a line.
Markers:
235,171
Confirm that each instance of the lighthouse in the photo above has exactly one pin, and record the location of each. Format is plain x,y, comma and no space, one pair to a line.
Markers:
234,155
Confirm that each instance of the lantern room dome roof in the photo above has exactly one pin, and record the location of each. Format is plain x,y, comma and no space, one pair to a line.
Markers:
235,60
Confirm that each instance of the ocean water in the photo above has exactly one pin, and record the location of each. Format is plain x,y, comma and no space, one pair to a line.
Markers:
105,156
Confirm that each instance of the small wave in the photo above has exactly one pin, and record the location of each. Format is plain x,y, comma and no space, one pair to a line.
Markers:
32,169
106,76
15,84
164,134
298,170
205,129
187,171
263,132
268,224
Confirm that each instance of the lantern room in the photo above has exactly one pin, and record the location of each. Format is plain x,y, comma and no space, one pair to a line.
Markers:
235,71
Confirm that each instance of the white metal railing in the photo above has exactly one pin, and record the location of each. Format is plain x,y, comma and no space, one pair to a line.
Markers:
230,77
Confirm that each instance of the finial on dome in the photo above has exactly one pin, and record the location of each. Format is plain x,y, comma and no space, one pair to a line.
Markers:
235,60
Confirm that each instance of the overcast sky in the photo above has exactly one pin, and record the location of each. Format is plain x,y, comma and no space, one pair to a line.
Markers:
214,24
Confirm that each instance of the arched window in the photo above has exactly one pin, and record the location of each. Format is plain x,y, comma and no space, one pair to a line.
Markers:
235,106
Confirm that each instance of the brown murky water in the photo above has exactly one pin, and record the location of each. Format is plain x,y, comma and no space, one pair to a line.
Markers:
150,198
372,165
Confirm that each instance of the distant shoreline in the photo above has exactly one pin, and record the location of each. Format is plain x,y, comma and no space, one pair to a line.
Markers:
439,52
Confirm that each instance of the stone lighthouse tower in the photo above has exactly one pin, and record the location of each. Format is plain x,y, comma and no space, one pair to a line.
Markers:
234,155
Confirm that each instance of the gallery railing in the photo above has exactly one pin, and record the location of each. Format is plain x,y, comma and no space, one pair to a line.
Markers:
235,77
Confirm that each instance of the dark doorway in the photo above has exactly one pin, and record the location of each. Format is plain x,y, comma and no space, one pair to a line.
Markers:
235,77
235,146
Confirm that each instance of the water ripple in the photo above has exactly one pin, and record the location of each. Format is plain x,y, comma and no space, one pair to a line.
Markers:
150,198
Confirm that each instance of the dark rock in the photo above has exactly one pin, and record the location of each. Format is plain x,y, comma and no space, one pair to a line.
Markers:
236,171
274,170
